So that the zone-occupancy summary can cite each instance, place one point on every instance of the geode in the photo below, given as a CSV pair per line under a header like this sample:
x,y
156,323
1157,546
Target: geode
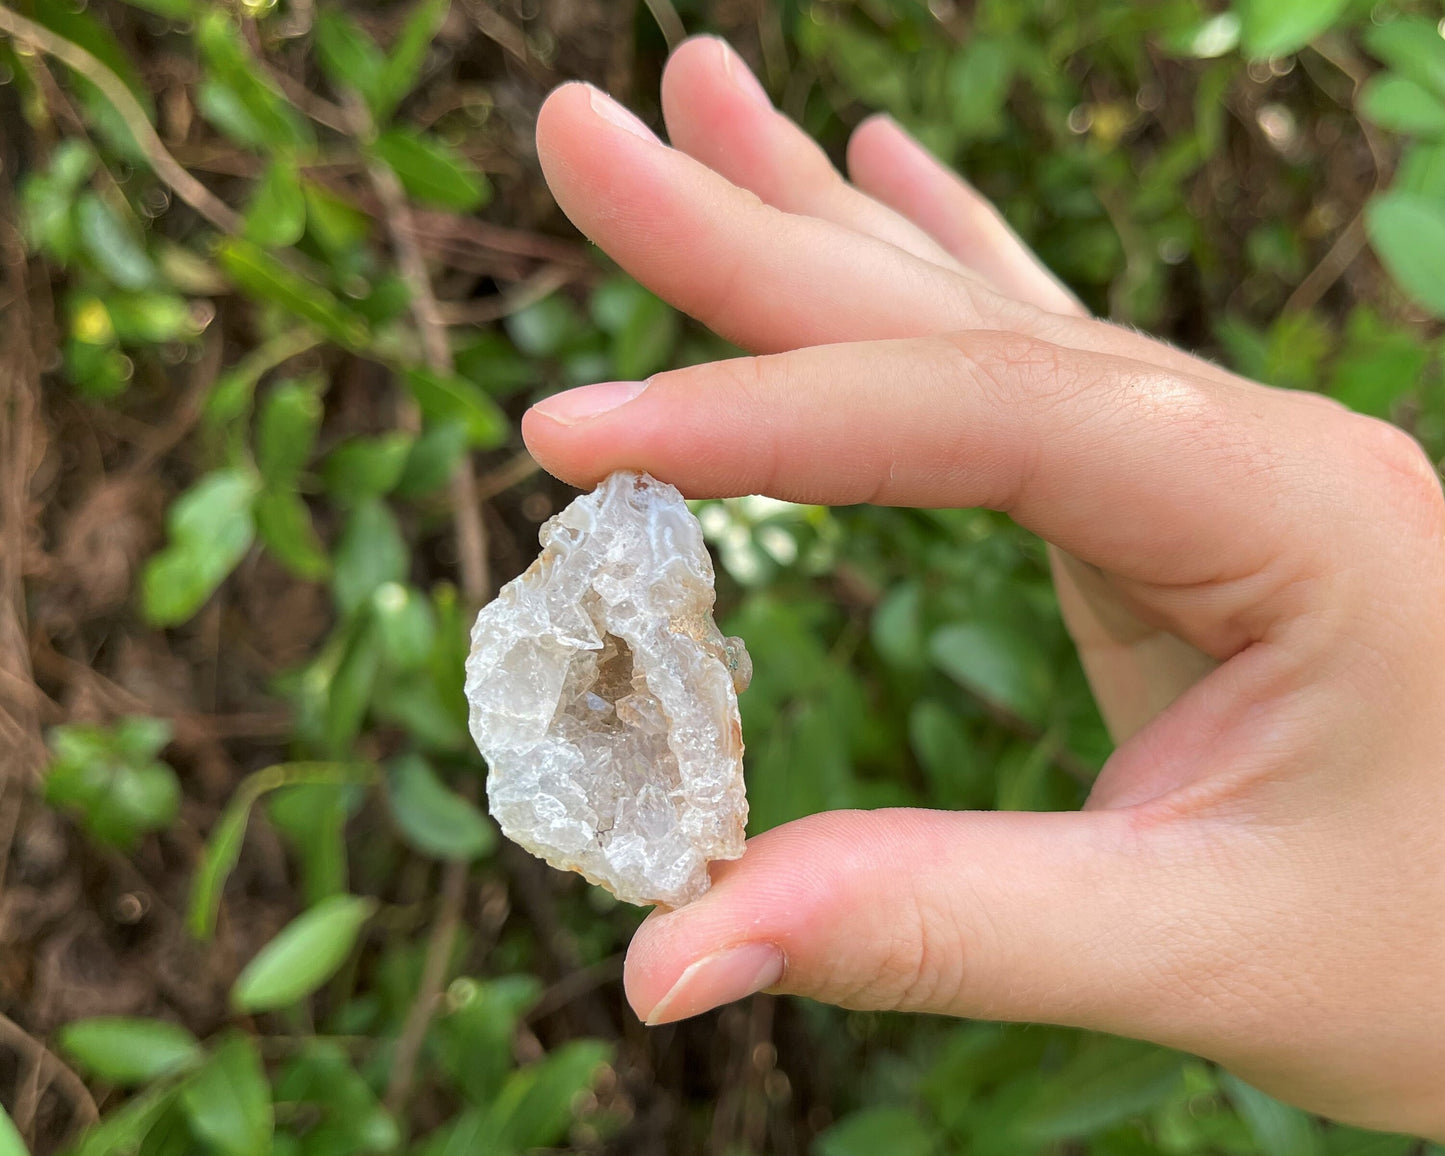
x,y
604,699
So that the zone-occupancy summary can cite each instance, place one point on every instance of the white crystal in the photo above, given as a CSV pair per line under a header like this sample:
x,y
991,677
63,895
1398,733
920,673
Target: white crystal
x,y
604,698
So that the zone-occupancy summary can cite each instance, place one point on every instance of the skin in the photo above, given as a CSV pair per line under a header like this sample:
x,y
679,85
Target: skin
x,y
1255,579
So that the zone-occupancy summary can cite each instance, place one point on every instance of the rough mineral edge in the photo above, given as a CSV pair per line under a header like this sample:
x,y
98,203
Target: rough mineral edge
x,y
604,699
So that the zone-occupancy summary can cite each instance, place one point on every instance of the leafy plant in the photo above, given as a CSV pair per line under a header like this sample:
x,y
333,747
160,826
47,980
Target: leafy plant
x,y
111,779
304,278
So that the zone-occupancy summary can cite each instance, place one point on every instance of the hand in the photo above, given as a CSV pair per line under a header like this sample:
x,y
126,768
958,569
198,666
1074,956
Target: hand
x,y
1256,580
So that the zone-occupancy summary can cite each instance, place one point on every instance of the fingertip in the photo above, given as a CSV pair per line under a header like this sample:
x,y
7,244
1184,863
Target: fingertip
x,y
553,447
693,54
561,105
684,75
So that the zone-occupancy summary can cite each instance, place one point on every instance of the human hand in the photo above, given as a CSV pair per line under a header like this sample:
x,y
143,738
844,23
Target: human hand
x,y
1255,578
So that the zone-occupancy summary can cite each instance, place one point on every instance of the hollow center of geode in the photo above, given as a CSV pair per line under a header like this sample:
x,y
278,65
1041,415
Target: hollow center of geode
x,y
607,712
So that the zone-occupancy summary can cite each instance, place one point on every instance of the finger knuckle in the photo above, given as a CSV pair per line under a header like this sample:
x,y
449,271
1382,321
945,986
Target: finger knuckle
x,y
1402,472
917,966
1015,381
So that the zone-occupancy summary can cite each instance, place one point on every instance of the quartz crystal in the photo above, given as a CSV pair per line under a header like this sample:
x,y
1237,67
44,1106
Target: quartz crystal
x,y
604,699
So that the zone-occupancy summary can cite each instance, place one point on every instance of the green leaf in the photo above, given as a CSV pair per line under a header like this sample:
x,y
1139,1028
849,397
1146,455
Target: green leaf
x,y
313,819
1400,105
140,799
1422,171
1413,48
361,468
1378,365
408,54
534,1108
432,171
433,459
897,627
223,848
489,359
545,327
177,10
349,57
979,79
942,746
148,318
349,692
1272,28
1206,38
418,706
111,779
236,96
222,853
286,430
875,1130
211,528
1279,1129
283,523
11,1142
124,1130
336,224
304,955
47,199
261,276
433,818
351,1119
645,342
111,243
228,1102
231,398
997,661
451,398
405,625
1408,232
371,551
1108,1082
129,1051
1357,1142
476,1029
277,214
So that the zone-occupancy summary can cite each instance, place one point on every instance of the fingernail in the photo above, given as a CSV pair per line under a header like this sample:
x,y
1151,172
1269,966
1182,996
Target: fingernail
x,y
717,979
612,112
743,77
588,401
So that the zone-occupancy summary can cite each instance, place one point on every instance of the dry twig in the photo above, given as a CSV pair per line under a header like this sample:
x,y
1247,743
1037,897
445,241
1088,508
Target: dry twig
x,y
433,976
52,1070
166,167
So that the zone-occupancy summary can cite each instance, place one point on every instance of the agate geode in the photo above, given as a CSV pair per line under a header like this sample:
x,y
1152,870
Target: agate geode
x,y
604,699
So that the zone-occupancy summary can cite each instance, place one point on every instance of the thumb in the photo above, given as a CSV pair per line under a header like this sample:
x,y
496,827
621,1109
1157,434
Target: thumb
x,y
1061,918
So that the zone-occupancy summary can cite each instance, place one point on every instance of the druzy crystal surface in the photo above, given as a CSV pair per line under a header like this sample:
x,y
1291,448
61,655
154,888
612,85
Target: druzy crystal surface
x,y
604,698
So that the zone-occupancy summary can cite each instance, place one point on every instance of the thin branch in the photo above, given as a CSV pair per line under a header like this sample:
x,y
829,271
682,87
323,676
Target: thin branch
x,y
505,476
507,36
669,23
543,283
1348,245
433,975
166,167
466,510
52,1068
318,108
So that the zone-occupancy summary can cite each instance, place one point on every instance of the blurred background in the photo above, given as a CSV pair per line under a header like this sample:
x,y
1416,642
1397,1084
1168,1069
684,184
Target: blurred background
x,y
279,278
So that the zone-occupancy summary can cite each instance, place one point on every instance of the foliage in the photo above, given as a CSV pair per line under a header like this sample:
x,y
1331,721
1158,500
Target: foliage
x,y
111,778
379,975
